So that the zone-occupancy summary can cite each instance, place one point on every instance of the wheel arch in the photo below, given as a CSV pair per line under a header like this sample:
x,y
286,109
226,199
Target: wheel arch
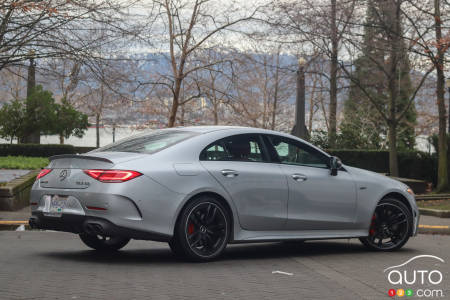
x,y
399,197
218,197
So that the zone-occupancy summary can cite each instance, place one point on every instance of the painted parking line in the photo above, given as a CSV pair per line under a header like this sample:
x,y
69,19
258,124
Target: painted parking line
x,y
13,222
434,226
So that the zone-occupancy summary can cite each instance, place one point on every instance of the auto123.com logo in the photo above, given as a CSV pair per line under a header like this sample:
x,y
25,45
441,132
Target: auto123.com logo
x,y
410,280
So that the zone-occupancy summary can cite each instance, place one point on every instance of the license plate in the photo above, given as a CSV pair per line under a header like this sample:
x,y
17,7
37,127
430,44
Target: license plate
x,y
54,205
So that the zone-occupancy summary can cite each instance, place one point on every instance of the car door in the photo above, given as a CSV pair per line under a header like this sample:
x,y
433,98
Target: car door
x,y
317,200
258,189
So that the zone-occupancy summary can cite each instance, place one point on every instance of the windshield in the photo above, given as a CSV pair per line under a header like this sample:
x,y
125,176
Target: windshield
x,y
149,142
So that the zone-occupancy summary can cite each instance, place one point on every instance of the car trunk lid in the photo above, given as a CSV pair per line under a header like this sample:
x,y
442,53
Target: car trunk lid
x,y
67,169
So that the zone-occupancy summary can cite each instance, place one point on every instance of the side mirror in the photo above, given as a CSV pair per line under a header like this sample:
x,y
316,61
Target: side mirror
x,y
335,165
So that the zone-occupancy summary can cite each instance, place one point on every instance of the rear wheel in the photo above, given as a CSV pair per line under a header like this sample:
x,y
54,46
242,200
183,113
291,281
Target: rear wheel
x,y
202,231
104,243
391,226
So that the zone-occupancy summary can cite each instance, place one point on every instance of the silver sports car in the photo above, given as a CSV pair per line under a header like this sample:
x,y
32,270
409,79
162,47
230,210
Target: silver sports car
x,y
200,188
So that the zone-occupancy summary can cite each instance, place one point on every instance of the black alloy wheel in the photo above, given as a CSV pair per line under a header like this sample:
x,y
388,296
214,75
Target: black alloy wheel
x,y
203,230
390,227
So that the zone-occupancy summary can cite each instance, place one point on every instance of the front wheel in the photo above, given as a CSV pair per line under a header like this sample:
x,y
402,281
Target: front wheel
x,y
104,243
391,226
202,231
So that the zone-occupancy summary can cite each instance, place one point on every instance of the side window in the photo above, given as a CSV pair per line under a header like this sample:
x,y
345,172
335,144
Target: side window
x,y
214,152
242,147
295,153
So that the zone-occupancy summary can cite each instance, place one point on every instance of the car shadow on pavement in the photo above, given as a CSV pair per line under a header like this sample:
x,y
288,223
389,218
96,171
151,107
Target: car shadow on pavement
x,y
233,252
299,249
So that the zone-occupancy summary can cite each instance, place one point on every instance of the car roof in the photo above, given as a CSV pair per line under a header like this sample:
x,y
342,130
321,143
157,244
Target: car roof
x,y
205,129
211,128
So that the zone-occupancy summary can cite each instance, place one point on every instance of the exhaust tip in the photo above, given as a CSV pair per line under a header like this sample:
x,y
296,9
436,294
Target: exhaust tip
x,y
93,229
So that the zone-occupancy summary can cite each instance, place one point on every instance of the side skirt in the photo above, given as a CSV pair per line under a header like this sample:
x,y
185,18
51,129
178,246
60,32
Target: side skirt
x,y
245,236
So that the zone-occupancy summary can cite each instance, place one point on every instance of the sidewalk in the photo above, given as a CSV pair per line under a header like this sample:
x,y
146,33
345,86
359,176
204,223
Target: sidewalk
x,y
428,224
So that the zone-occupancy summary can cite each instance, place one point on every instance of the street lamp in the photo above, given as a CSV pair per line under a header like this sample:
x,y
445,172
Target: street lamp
x,y
299,129
448,88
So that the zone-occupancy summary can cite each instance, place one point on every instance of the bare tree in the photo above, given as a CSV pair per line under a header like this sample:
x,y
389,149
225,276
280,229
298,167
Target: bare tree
x,y
52,28
316,25
188,27
262,84
431,40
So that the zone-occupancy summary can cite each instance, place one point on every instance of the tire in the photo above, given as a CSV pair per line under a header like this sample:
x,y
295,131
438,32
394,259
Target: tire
x,y
391,220
106,244
202,231
176,248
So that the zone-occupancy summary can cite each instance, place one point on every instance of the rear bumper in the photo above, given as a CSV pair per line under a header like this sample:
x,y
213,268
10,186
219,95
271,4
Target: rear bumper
x,y
91,225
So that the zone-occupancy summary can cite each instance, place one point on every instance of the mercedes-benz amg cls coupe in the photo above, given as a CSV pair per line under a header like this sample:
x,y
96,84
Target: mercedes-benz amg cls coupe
x,y
200,188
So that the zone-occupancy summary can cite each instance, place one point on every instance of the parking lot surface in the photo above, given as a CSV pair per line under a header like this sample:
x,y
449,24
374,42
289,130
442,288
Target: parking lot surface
x,y
53,265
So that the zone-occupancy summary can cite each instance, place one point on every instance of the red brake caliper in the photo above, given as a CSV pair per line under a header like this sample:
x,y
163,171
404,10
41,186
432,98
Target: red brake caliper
x,y
191,228
372,226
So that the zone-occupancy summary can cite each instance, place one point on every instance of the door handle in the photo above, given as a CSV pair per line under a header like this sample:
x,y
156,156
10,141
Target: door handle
x,y
299,177
229,173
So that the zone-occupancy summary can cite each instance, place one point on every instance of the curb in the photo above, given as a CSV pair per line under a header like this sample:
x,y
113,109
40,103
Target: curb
x,y
12,225
435,212
425,197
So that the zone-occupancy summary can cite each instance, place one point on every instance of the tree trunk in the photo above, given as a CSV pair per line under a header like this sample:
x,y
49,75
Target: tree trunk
x,y
333,77
33,136
442,183
61,139
182,115
395,48
393,162
97,129
215,112
175,103
275,93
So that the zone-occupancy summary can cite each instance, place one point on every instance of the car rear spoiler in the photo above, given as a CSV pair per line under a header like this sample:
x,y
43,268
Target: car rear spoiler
x,y
79,156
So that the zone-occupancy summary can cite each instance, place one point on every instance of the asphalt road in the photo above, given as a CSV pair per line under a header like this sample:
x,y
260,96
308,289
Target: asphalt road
x,y
51,265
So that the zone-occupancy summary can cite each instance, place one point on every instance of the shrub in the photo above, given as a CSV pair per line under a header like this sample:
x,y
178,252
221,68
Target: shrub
x,y
412,164
22,162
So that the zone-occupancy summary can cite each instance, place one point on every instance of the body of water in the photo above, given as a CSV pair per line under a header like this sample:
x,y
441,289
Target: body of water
x,y
89,138
106,137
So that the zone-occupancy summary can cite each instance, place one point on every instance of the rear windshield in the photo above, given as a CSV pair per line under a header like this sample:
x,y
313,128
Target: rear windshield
x,y
149,142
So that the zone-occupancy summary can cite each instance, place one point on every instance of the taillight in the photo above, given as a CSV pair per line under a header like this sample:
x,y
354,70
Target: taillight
x,y
112,175
42,173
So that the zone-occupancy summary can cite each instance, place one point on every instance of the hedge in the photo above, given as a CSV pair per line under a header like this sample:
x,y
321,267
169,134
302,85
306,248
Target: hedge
x,y
40,150
412,164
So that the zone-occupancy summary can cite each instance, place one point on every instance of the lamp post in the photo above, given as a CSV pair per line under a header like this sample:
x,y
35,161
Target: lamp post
x,y
448,88
299,129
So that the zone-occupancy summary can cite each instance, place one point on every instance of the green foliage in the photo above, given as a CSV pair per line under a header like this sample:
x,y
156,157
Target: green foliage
x,y
40,114
320,138
412,164
40,150
21,162
70,121
11,118
347,138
